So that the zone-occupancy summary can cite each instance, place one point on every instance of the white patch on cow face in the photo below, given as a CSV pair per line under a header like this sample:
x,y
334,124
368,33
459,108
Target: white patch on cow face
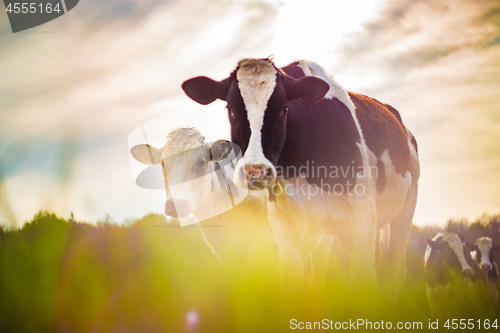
x,y
484,244
458,248
186,179
182,187
256,81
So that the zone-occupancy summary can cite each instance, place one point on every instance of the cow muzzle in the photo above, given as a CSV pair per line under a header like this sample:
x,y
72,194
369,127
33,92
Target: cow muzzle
x,y
177,208
468,272
258,176
485,267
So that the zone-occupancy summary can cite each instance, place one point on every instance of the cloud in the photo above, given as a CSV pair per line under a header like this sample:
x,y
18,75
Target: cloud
x,y
100,71
438,63
413,33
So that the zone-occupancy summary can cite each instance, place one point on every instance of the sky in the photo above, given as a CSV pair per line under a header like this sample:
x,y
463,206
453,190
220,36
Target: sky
x,y
74,92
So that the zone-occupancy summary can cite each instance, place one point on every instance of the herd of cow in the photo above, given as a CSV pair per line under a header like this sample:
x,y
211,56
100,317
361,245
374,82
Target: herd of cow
x,y
325,162
455,270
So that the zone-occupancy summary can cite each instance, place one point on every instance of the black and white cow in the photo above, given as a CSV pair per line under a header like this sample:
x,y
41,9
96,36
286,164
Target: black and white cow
x,y
332,162
446,272
484,287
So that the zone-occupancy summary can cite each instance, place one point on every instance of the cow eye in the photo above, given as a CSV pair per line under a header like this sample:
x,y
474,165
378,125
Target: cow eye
x,y
201,163
231,113
284,111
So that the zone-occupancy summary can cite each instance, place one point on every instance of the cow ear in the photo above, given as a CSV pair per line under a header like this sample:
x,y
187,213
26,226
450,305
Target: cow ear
x,y
436,245
312,88
146,154
204,90
431,243
220,149
470,247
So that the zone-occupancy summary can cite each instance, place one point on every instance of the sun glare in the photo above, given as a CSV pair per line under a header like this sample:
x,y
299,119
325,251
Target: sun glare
x,y
312,31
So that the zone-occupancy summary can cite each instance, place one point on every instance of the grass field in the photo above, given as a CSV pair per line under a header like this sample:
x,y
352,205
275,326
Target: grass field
x,y
148,276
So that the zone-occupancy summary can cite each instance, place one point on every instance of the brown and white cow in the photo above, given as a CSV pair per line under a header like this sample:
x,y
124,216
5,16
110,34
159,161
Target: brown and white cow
x,y
484,287
332,161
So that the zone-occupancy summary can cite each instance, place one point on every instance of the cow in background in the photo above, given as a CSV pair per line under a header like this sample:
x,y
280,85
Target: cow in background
x,y
299,118
484,286
198,177
447,272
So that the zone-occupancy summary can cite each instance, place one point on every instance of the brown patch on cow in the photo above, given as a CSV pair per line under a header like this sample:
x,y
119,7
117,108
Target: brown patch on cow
x,y
383,129
393,111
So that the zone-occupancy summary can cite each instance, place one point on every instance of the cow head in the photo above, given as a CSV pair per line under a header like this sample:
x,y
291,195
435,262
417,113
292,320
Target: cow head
x,y
484,250
452,249
257,96
186,161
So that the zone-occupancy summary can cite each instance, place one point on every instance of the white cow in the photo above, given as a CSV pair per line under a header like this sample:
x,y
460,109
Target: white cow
x,y
195,181
197,177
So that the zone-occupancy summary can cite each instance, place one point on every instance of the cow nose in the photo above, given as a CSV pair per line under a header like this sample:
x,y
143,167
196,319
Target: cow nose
x,y
259,176
177,208
485,267
468,272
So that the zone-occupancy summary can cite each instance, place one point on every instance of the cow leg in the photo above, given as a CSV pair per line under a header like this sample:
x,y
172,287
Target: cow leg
x,y
378,242
320,258
493,293
392,264
435,298
364,230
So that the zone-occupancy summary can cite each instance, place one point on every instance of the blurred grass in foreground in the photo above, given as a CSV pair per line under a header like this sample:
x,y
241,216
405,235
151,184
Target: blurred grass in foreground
x,y
148,276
